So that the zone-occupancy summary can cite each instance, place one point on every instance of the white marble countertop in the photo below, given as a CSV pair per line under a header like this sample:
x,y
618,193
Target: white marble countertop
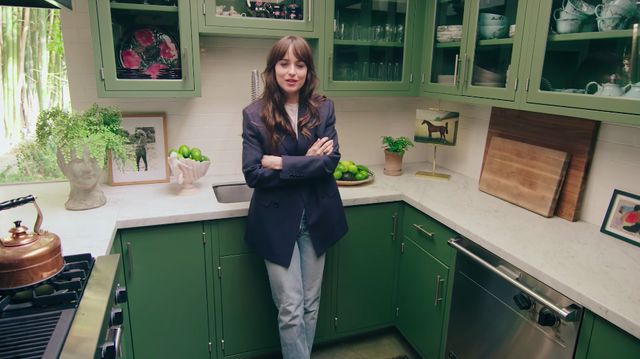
x,y
593,269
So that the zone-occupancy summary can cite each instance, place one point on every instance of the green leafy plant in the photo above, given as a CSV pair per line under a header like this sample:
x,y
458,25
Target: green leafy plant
x,y
397,145
98,128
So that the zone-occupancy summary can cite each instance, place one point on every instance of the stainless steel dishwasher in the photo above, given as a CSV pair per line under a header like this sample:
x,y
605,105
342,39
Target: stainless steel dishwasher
x,y
499,311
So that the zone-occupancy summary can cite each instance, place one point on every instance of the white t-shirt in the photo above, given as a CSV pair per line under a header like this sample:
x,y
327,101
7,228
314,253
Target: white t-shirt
x,y
292,111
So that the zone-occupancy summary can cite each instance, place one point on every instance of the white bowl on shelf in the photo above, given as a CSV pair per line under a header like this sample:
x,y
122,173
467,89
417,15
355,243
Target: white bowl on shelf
x,y
185,172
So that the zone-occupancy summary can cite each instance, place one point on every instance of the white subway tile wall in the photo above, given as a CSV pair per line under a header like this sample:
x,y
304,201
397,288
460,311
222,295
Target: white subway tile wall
x,y
213,121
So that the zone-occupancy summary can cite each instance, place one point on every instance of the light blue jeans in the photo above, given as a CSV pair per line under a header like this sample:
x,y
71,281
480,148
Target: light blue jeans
x,y
296,294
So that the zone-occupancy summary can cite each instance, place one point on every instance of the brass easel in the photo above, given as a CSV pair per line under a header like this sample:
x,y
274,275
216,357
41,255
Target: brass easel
x,y
433,174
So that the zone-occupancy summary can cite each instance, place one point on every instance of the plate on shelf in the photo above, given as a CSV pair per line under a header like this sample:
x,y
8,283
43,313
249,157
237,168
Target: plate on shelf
x,y
149,52
356,183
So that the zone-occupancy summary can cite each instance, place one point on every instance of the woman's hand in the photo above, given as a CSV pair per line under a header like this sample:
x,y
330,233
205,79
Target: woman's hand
x,y
272,162
322,146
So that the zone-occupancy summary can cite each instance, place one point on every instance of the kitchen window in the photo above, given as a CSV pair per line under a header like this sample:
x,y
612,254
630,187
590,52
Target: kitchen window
x,y
33,77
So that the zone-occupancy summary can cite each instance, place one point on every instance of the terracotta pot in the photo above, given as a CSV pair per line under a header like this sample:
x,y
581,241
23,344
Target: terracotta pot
x,y
392,163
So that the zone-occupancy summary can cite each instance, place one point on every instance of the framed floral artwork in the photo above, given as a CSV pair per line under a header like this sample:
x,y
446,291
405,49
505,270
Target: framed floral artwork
x,y
147,148
623,217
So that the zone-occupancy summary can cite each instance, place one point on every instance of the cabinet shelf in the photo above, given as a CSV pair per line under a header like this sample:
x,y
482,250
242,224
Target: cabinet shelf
x,y
367,43
586,36
496,42
143,7
442,45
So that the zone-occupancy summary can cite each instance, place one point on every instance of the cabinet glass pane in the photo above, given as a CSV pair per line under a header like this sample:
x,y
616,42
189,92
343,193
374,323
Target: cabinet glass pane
x,y
492,58
292,10
446,54
592,49
369,39
146,40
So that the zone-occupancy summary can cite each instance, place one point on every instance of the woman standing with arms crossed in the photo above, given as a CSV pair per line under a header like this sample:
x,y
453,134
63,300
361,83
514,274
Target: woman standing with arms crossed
x,y
289,151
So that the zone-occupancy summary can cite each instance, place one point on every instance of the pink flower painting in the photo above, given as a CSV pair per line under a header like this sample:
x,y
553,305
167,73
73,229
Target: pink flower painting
x,y
144,37
168,49
130,59
154,70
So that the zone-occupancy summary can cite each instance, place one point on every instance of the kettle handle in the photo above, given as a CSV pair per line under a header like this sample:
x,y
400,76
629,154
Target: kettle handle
x,y
19,202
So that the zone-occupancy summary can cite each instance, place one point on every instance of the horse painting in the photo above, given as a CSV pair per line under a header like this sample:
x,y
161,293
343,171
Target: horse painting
x,y
442,130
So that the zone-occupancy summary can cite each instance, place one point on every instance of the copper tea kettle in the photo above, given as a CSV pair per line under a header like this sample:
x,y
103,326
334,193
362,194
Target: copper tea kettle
x,y
28,258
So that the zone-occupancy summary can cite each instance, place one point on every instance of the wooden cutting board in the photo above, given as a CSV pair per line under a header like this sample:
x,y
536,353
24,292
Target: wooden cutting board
x,y
576,136
526,175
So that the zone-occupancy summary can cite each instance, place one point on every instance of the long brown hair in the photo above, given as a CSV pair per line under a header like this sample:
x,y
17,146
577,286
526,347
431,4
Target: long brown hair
x,y
274,115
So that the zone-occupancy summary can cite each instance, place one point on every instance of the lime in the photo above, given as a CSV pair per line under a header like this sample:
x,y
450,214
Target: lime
x,y
360,176
363,174
363,168
353,169
344,163
171,150
196,154
337,174
341,168
184,151
205,158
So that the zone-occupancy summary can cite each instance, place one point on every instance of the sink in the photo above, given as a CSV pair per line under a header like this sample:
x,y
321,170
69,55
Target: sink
x,y
233,193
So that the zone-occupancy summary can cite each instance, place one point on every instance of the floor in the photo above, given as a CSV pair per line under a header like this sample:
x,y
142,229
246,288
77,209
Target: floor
x,y
381,345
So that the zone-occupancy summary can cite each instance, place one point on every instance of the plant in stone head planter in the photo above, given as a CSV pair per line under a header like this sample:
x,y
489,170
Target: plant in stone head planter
x,y
394,149
83,142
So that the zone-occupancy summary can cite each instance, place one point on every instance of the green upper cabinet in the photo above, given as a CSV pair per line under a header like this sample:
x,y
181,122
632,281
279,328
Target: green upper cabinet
x,y
583,61
144,50
473,47
368,46
261,18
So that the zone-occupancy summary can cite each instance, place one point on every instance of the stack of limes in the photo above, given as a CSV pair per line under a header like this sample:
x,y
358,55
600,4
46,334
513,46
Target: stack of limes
x,y
193,153
350,171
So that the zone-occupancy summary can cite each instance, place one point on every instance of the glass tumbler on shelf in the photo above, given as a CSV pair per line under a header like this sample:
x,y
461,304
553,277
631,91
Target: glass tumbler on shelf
x,y
382,72
364,71
389,33
399,33
397,73
373,71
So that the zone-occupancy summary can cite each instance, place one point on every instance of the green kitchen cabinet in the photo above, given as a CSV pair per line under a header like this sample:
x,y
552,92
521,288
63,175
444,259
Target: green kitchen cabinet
x,y
469,50
600,339
126,347
366,269
591,67
166,282
144,50
263,19
369,47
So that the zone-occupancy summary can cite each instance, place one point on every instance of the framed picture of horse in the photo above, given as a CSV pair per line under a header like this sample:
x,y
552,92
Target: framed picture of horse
x,y
439,127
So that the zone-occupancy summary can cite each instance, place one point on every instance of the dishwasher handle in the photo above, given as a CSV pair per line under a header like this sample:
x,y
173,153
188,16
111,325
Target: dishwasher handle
x,y
568,314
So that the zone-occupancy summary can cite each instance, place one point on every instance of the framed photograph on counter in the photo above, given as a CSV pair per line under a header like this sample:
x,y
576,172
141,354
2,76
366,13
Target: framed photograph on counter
x,y
147,149
623,217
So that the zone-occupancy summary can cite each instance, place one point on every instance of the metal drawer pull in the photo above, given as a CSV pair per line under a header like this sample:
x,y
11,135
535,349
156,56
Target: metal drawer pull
x,y
438,297
568,314
419,227
130,258
118,341
455,70
394,222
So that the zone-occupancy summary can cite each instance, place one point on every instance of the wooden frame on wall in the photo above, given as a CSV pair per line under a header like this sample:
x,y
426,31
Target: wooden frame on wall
x,y
623,217
147,149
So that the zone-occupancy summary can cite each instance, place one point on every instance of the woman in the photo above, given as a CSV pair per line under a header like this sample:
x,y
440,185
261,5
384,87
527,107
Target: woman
x,y
289,151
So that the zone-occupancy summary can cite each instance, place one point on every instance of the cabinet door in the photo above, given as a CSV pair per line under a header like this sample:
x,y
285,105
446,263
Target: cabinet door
x,y
167,296
366,269
590,63
368,43
246,17
126,347
146,50
422,299
609,341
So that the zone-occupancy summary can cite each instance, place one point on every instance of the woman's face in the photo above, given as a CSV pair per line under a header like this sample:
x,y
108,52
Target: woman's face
x,y
291,74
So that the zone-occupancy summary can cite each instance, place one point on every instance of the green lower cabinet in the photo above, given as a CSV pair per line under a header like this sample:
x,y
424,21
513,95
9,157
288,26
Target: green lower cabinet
x,y
366,269
600,339
126,347
166,282
422,287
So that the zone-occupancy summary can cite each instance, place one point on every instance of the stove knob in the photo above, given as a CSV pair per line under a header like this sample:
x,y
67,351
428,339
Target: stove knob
x,y
547,318
116,318
121,295
108,350
523,301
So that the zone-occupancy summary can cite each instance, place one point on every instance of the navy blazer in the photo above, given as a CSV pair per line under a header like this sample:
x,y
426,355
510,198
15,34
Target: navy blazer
x,y
304,183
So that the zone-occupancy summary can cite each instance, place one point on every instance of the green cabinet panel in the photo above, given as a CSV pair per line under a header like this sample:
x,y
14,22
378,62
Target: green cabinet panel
x,y
143,50
230,237
164,270
126,346
366,268
428,234
263,19
601,339
422,287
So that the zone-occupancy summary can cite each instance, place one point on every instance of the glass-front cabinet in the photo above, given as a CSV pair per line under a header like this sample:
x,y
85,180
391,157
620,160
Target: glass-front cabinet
x,y
146,48
246,16
368,45
473,47
586,55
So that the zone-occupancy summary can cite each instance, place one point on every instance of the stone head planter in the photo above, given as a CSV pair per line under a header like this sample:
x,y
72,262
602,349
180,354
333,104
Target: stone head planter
x,y
83,173
392,163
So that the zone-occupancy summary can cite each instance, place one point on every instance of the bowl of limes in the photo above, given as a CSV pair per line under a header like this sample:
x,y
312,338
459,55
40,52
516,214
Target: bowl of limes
x,y
348,173
187,166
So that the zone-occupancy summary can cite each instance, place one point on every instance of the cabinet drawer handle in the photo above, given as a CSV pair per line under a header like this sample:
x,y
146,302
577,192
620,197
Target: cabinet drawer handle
x,y
394,219
419,227
310,10
185,64
130,258
439,282
455,70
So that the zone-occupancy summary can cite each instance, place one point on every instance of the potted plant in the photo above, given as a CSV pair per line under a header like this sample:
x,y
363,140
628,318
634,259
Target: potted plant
x,y
83,142
394,149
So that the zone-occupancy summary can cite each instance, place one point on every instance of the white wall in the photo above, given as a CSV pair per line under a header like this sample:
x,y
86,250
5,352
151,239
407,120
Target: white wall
x,y
213,121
